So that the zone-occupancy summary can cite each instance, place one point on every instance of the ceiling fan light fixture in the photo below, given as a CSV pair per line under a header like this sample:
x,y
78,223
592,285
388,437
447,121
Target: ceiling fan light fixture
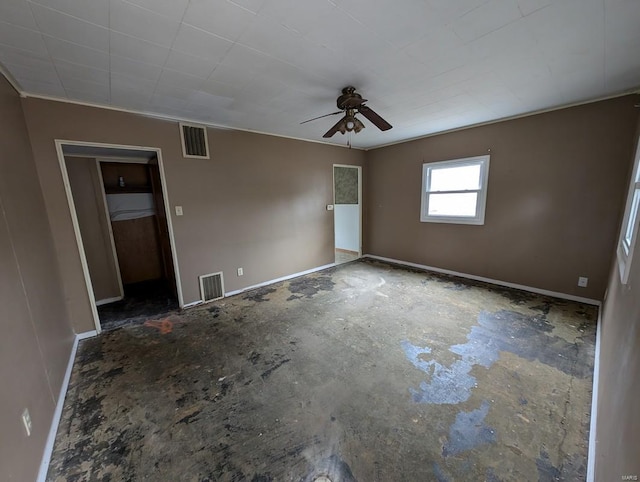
x,y
358,125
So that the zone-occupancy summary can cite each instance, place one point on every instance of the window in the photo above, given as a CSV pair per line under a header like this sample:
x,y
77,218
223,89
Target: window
x,y
629,233
455,191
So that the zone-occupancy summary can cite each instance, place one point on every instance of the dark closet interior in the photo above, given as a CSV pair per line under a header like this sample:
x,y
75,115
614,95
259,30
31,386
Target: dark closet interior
x,y
141,237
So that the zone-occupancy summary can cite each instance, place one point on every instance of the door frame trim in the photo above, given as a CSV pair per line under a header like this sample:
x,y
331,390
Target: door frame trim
x,y
59,143
360,202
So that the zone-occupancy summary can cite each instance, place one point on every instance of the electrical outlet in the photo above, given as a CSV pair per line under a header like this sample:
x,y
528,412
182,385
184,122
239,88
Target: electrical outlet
x,y
178,210
240,271
26,420
583,281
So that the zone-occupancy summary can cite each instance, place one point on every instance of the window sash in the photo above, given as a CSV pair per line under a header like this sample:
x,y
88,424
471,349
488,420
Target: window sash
x,y
442,194
480,203
630,224
632,221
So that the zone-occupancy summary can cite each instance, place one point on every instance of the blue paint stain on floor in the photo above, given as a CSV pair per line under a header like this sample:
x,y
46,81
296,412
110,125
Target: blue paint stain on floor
x,y
525,336
469,431
439,474
448,384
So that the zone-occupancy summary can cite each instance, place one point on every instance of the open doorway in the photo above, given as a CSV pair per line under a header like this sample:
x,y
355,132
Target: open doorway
x,y
347,215
118,204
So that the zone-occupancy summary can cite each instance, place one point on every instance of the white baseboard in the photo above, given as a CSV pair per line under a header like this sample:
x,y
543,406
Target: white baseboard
x,y
106,301
593,441
53,430
266,283
277,280
86,334
506,284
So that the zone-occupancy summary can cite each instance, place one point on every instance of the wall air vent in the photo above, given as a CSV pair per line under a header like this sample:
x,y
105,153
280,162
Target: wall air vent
x,y
211,287
194,141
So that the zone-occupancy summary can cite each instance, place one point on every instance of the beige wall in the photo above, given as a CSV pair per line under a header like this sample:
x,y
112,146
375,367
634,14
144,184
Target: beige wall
x,y
618,422
556,184
36,335
90,208
258,203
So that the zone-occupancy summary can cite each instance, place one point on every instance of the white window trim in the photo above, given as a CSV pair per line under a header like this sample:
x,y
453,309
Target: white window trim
x,y
625,252
478,219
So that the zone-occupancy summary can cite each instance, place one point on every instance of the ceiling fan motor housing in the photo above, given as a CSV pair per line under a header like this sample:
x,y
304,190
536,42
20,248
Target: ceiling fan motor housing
x,y
349,99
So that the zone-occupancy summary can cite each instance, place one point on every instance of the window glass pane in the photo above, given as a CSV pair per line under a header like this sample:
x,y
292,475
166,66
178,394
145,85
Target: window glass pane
x,y
455,178
633,217
459,204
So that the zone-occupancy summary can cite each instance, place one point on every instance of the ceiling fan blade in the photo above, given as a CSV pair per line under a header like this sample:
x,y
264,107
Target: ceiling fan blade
x,y
320,117
334,129
375,119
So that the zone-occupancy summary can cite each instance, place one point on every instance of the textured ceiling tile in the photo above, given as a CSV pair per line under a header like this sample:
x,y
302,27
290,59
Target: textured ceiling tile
x,y
92,96
141,23
432,44
299,16
620,74
221,89
71,84
334,67
412,18
132,68
448,11
529,6
169,8
485,19
122,82
197,42
17,12
171,78
77,54
15,56
251,5
245,59
621,24
21,38
43,88
35,74
65,27
68,70
231,75
262,90
126,89
564,25
219,17
94,11
137,49
190,65
266,35
203,102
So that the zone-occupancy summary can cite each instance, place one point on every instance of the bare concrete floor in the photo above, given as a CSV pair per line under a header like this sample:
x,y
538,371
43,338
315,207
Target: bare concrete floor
x,y
363,372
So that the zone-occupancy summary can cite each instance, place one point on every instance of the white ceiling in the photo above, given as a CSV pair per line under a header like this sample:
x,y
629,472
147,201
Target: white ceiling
x,y
425,65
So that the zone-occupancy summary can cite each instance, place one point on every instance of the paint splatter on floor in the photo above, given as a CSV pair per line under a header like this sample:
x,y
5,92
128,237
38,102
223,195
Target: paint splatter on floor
x,y
320,375
163,326
469,431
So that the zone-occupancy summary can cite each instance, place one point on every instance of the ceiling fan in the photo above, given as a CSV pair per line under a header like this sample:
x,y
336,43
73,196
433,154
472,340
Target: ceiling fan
x,y
351,103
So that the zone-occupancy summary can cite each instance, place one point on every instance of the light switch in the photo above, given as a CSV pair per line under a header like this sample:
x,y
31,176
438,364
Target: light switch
x,y
329,207
178,210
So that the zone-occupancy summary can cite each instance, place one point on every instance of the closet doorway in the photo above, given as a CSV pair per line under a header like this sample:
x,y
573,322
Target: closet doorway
x,y
141,240
118,200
